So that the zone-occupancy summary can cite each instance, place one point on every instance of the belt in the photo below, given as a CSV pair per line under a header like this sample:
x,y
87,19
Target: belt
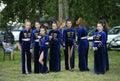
x,y
84,37
97,41
26,39
37,40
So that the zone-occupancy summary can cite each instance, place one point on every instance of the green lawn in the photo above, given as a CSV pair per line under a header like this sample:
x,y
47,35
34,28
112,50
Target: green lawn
x,y
11,70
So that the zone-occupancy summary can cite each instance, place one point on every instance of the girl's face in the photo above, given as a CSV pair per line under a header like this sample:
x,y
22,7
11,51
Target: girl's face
x,y
99,27
54,26
27,25
37,25
63,24
42,31
69,24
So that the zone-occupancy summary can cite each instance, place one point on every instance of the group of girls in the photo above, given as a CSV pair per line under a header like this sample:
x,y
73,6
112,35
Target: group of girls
x,y
40,40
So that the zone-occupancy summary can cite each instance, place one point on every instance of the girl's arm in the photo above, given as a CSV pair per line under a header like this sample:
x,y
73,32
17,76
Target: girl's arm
x,y
79,33
46,40
74,37
103,40
64,38
32,40
93,45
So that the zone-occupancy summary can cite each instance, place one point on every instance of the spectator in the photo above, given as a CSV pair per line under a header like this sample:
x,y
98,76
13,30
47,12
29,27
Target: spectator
x,y
11,48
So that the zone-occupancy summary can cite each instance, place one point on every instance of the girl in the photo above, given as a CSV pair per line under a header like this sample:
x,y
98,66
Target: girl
x,y
106,59
83,45
43,43
69,40
99,41
105,29
55,37
35,41
24,39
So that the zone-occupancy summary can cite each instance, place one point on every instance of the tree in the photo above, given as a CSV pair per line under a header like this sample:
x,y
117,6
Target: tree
x,y
90,10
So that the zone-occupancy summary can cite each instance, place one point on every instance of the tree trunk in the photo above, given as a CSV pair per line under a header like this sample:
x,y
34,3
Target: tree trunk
x,y
60,8
66,9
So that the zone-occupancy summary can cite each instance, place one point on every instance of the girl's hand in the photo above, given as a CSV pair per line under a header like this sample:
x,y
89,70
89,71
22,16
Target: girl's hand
x,y
47,43
39,37
95,48
50,37
30,50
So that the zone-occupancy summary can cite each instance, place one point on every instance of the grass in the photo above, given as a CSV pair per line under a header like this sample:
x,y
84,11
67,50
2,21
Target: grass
x,y
11,70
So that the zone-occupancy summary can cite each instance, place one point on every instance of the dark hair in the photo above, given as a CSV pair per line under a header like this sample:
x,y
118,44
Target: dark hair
x,y
68,20
37,21
55,22
43,27
101,22
27,20
105,25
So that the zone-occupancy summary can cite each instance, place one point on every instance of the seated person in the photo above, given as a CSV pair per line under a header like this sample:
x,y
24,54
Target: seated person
x,y
8,36
9,48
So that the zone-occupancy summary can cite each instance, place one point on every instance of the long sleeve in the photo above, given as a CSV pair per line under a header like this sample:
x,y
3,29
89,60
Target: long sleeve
x,y
79,34
20,37
103,40
59,36
93,40
64,35
74,37
31,40
46,39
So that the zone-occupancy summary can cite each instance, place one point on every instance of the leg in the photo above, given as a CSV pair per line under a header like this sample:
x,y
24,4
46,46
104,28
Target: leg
x,y
12,54
86,56
26,68
23,60
17,45
36,58
41,58
45,68
66,57
29,62
71,50
69,56
72,57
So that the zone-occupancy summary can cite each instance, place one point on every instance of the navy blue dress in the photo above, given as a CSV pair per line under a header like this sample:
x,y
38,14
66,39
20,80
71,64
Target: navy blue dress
x,y
24,34
83,47
106,59
44,48
69,40
99,41
35,35
55,50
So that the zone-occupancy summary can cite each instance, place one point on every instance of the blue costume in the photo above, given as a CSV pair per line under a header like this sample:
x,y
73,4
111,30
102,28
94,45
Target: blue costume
x,y
35,35
55,50
44,48
99,41
25,40
83,47
106,60
69,40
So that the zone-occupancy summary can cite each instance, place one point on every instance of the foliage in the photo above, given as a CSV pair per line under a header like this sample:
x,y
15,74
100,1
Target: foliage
x,y
90,10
